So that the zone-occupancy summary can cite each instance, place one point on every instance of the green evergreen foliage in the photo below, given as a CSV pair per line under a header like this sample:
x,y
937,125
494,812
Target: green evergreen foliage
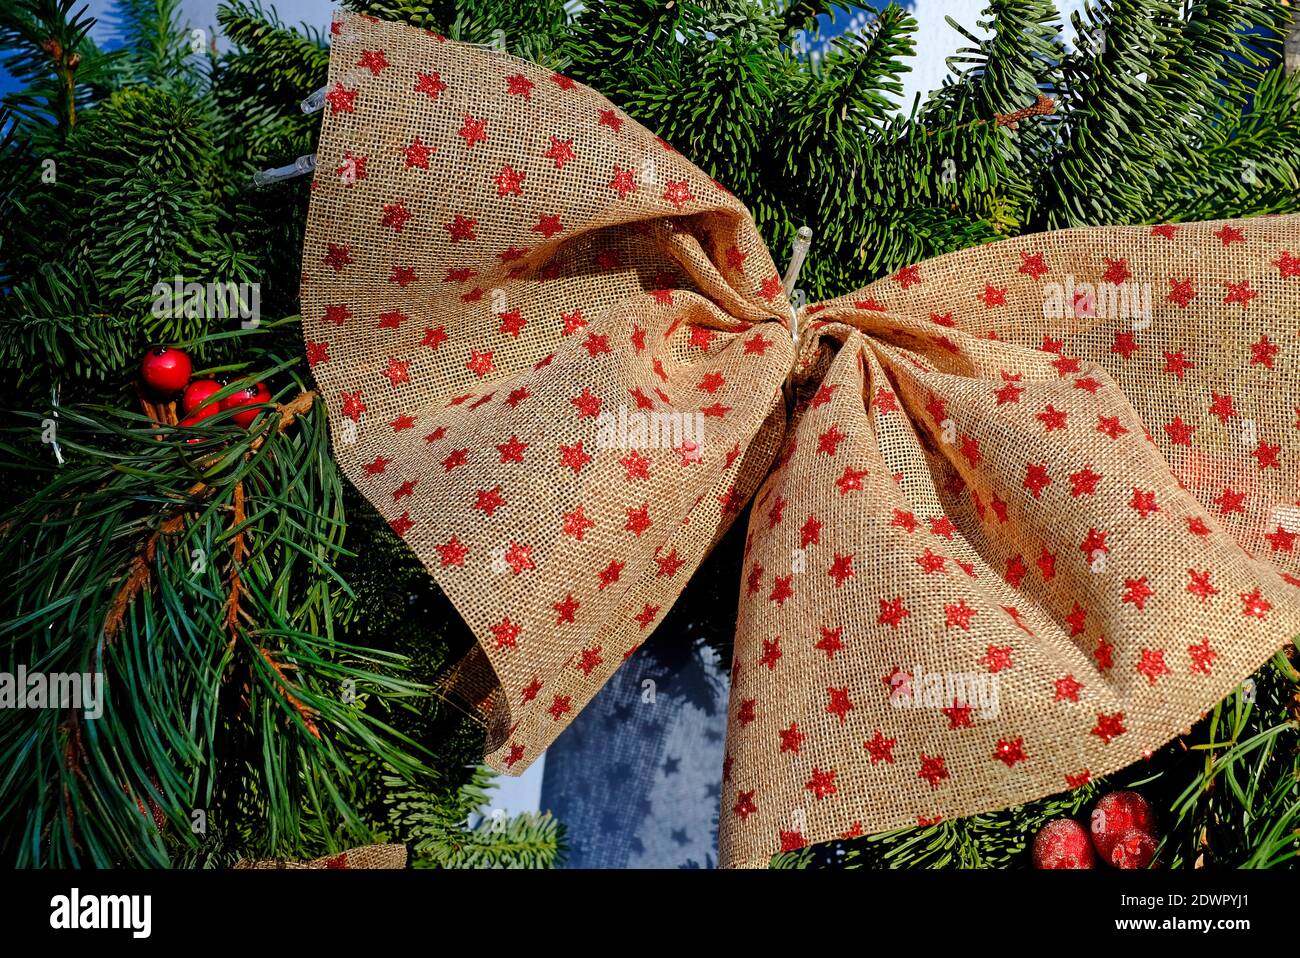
x,y
122,170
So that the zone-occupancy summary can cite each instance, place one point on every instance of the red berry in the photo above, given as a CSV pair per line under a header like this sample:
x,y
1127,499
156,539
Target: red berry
x,y
257,393
197,394
193,421
1116,814
1133,849
165,370
1063,844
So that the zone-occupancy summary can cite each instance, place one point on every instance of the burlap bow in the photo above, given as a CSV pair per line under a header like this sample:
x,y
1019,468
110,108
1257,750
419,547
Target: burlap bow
x,y
363,857
1035,509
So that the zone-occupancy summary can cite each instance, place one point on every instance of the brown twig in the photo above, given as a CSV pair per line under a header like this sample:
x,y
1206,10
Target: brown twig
x,y
65,65
140,573
1043,106
74,754
238,550
306,713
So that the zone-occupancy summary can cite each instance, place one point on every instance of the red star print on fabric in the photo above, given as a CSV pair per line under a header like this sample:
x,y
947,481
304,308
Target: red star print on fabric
x,y
1266,455
1036,479
959,715
1181,292
996,658
1117,270
1137,591
791,738
1084,482
1179,432
519,85
1068,689
566,610
1176,364
548,225
430,84
831,641
1230,235
453,552
317,353
933,769
908,276
488,501
1263,351
1010,752
1283,540
418,153
678,193
850,480
1109,727
1032,264
1110,426
958,614
1240,293
610,574
507,633
1152,665
828,442
1144,502
942,526
1202,656
822,783
473,130
1200,586
623,182
1230,501
1009,393
792,841
373,60
338,257
1254,605
880,748
839,704
892,612
341,99
1222,408
395,215
1052,418
509,181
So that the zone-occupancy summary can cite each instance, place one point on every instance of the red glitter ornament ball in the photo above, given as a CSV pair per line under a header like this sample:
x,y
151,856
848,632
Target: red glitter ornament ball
x,y
165,370
1063,844
1117,814
1133,849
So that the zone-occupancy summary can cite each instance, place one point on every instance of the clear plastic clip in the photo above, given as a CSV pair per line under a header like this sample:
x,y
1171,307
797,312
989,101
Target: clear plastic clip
x,y
798,253
299,167
316,102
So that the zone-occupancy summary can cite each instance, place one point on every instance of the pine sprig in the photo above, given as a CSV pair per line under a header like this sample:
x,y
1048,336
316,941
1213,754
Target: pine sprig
x,y
197,579
442,836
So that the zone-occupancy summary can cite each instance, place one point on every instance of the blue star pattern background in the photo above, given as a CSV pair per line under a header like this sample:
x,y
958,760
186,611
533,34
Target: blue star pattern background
x,y
637,777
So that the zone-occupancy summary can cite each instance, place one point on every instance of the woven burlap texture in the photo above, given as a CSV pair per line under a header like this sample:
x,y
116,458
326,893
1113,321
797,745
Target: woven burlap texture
x,y
362,857
1033,513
